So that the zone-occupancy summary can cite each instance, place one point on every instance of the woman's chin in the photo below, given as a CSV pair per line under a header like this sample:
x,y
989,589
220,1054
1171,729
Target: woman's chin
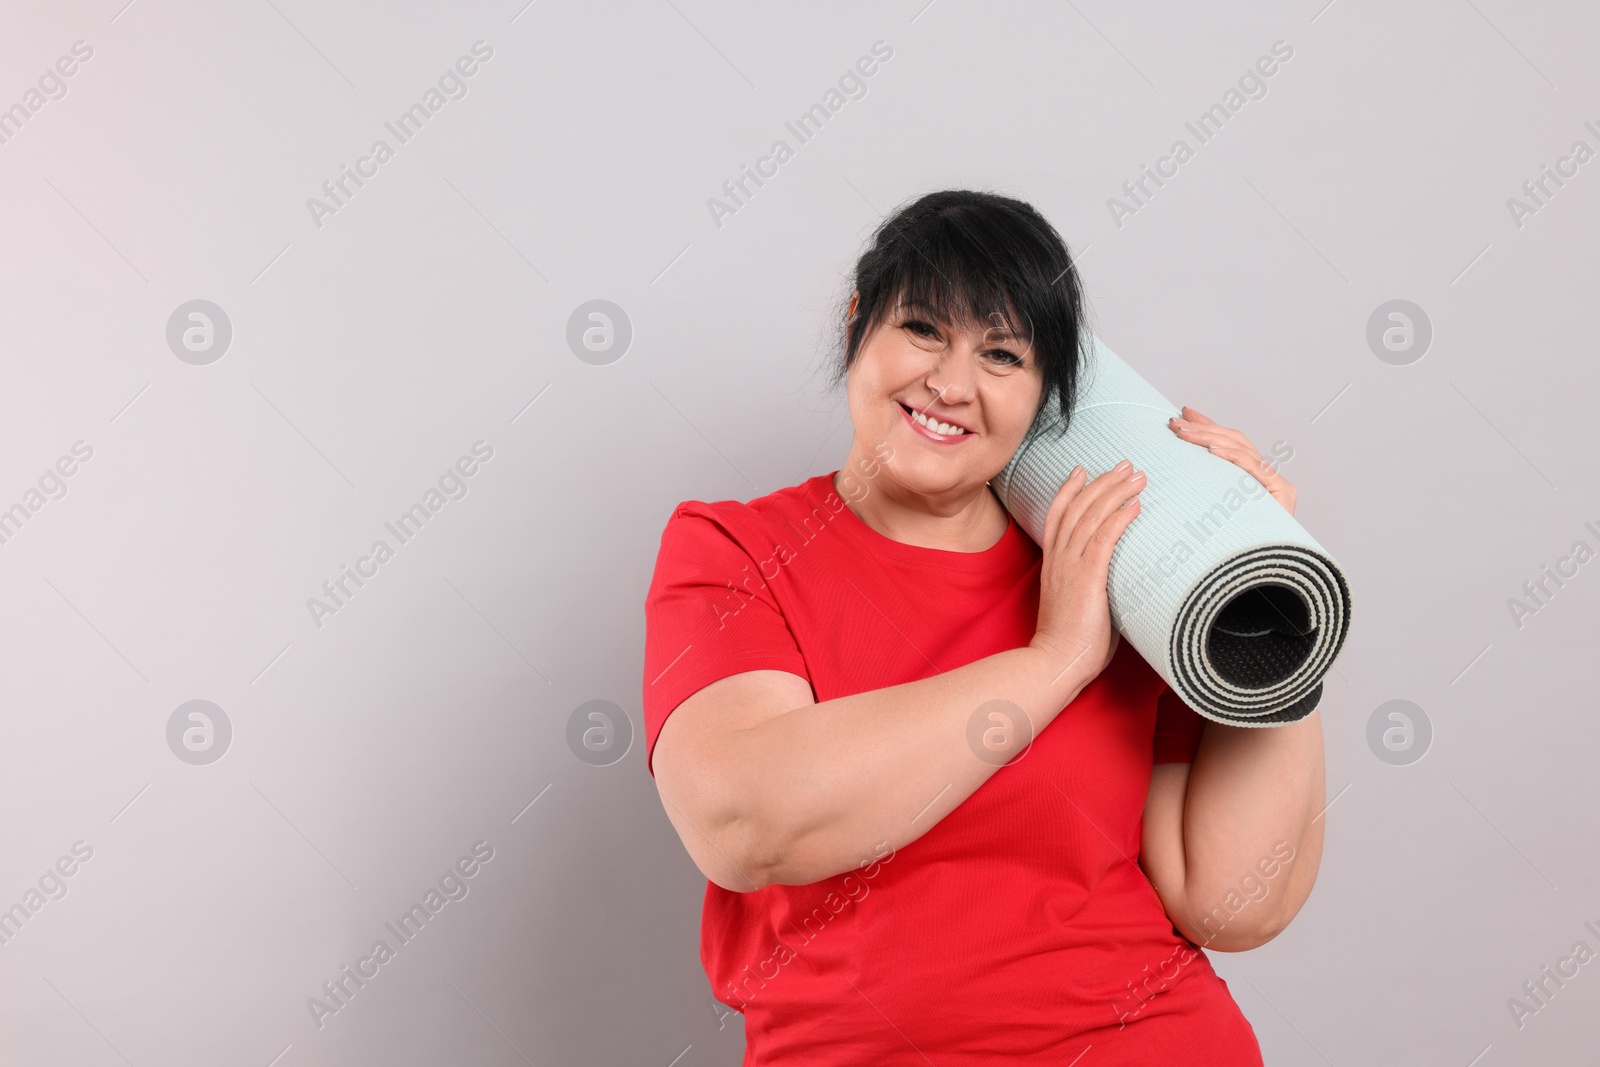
x,y
933,477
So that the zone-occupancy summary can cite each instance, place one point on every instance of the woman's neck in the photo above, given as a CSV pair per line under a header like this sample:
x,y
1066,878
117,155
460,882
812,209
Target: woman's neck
x,y
972,523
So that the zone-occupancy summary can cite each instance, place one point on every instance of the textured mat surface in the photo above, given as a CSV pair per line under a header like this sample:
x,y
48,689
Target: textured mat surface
x,y
1217,586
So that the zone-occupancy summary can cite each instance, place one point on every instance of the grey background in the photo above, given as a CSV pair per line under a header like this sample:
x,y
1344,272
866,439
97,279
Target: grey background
x,y
429,712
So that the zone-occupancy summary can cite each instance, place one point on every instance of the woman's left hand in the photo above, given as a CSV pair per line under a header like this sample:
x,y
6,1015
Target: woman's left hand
x,y
1235,447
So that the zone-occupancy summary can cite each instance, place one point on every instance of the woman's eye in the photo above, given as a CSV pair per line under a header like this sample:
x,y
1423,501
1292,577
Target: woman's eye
x,y
919,327
1009,359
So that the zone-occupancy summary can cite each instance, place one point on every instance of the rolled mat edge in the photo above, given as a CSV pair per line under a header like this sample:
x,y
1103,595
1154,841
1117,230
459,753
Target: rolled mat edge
x,y
1227,597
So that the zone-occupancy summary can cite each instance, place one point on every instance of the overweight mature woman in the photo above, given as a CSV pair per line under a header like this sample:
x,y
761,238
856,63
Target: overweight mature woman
x,y
946,815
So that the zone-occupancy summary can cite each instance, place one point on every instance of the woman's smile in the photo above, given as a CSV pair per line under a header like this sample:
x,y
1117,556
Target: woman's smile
x,y
939,430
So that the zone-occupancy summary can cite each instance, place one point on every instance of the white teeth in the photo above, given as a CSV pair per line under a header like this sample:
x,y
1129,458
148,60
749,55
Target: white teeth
x,y
940,428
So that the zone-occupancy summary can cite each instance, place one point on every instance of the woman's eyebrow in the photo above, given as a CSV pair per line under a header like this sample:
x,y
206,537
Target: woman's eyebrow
x,y
1002,333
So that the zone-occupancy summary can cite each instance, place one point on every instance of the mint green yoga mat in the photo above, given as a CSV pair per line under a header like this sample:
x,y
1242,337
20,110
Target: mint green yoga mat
x,y
1223,593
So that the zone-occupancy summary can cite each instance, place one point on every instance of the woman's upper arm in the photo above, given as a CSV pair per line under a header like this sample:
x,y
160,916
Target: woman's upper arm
x,y
707,795
1161,847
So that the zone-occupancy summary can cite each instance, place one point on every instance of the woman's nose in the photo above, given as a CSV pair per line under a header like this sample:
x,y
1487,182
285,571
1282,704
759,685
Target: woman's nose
x,y
953,376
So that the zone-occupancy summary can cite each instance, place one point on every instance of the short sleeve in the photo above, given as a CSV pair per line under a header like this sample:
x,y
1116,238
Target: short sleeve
x,y
708,615
1178,728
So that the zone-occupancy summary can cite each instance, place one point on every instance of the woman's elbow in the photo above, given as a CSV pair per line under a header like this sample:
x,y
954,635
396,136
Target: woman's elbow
x,y
1245,932
1243,940
748,862
718,836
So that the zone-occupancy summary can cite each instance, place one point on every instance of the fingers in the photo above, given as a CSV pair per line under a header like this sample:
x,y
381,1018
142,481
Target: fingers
x,y
1099,528
1079,509
1064,497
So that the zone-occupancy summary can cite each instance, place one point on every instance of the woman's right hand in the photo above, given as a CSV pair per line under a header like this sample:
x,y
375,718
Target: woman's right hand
x,y
1080,530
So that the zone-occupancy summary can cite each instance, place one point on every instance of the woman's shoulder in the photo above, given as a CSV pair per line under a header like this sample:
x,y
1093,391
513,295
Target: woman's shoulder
x,y
743,517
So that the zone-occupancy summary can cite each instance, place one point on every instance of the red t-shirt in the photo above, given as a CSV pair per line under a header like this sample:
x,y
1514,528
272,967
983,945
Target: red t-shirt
x,y
1020,925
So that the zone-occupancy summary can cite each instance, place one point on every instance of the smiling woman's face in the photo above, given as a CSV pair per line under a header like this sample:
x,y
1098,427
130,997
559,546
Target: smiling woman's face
x,y
978,377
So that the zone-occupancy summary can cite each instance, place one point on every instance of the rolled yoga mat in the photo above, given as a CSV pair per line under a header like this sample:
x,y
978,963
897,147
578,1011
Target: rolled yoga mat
x,y
1223,593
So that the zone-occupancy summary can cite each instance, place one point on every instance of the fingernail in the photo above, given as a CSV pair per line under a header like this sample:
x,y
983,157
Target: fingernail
x,y
1124,465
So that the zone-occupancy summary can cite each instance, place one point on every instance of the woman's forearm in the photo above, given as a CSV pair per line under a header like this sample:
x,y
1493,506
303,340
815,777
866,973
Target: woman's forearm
x,y
828,786
1251,833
